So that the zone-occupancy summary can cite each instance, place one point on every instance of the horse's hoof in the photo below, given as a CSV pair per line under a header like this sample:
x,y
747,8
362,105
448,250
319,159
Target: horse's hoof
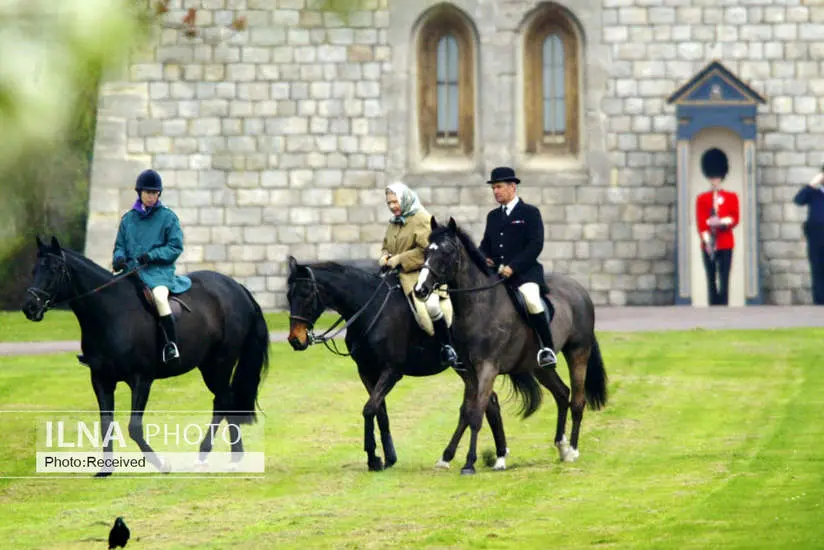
x,y
570,455
165,466
233,467
563,447
375,465
201,465
442,465
390,462
468,471
500,464
103,473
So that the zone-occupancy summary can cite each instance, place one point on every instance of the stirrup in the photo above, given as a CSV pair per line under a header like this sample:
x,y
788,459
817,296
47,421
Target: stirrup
x,y
546,358
449,357
170,352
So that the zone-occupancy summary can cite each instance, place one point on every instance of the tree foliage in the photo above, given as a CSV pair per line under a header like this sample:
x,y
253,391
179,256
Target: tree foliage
x,y
53,55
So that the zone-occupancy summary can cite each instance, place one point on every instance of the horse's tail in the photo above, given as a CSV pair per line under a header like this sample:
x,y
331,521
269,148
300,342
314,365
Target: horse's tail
x,y
251,367
595,385
526,387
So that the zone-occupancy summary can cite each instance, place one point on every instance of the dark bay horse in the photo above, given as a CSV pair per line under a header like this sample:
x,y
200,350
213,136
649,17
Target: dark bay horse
x,y
383,339
121,341
495,339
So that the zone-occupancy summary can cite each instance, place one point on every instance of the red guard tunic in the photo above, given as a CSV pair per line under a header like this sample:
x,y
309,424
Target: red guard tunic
x,y
726,208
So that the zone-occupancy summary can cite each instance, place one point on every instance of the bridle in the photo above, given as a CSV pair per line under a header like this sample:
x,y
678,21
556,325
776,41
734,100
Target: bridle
x,y
64,277
326,337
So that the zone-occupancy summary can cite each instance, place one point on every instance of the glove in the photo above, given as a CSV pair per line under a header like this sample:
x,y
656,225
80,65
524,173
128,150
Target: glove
x,y
119,263
143,259
383,260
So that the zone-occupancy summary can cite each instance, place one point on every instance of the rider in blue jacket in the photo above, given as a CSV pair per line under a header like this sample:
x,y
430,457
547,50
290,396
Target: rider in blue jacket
x,y
150,236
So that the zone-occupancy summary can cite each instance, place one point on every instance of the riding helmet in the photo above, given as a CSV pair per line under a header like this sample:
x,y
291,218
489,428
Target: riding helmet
x,y
149,180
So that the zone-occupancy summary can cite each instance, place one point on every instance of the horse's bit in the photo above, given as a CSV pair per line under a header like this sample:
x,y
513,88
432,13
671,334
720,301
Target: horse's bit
x,y
325,338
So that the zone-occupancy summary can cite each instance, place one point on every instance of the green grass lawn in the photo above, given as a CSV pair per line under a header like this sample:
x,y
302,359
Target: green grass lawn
x,y
709,440
62,325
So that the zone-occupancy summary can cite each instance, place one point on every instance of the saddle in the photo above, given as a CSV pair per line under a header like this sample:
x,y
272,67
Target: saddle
x,y
520,305
175,303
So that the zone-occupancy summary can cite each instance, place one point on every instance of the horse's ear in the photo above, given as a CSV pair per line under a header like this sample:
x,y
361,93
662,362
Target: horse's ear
x,y
40,244
452,225
55,244
293,263
433,223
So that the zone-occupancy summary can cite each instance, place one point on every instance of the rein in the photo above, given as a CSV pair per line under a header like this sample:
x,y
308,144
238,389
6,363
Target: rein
x,y
477,288
40,294
440,277
325,338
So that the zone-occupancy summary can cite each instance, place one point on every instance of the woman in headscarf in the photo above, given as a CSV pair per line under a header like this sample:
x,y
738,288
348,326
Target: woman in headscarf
x,y
406,238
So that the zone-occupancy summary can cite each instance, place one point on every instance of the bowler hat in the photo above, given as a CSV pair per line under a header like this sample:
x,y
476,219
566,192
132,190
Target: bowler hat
x,y
503,173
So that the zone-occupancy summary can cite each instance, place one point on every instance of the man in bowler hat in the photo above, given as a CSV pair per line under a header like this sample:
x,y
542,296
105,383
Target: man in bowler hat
x,y
716,213
512,241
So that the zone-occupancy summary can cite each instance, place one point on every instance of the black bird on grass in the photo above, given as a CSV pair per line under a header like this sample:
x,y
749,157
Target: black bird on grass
x,y
119,535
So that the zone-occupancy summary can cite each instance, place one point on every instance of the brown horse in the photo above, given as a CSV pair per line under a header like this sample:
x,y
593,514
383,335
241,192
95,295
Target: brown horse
x,y
383,339
224,335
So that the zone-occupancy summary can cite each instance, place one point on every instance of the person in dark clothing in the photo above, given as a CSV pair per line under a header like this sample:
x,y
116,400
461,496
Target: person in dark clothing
x,y
513,239
812,196
150,236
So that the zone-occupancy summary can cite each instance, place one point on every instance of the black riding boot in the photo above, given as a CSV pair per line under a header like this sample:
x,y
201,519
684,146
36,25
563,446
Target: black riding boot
x,y
444,336
546,355
170,351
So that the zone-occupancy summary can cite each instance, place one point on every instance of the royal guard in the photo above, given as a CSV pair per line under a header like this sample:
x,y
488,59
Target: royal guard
x,y
716,213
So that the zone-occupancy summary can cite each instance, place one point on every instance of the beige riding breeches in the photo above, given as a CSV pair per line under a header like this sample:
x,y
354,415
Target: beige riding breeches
x,y
437,306
432,305
161,296
532,296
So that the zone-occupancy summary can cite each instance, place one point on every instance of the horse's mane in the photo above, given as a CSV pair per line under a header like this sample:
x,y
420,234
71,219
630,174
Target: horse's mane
x,y
477,257
343,269
87,263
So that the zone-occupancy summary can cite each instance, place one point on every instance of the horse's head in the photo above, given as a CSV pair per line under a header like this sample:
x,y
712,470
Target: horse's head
x,y
51,280
305,304
442,258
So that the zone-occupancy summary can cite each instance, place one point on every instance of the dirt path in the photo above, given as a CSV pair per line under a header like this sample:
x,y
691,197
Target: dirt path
x,y
609,319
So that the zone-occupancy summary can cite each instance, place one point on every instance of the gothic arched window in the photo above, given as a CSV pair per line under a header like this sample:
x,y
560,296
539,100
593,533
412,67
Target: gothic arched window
x,y
446,92
551,84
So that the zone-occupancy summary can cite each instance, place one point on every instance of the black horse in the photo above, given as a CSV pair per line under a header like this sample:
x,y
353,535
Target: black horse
x,y
382,337
120,339
496,339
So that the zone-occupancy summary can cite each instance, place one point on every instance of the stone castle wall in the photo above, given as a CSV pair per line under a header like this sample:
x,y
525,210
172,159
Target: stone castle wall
x,y
280,139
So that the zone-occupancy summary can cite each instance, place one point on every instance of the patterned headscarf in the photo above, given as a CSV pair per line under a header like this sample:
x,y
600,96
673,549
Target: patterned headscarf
x,y
410,204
